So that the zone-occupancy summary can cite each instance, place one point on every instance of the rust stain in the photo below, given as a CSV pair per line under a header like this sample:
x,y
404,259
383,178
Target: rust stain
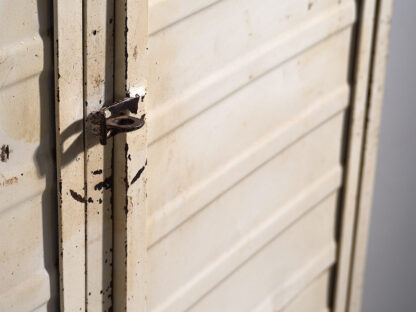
x,y
77,196
135,53
5,153
9,181
98,81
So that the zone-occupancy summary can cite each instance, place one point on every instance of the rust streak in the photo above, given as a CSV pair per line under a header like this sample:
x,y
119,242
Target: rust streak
x,y
9,181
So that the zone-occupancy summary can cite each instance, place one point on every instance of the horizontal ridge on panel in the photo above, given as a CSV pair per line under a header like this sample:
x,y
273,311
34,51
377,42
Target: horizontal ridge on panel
x,y
286,292
196,197
163,13
247,68
253,241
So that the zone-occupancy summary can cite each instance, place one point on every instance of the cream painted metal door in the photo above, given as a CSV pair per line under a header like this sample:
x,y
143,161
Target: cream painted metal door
x,y
247,189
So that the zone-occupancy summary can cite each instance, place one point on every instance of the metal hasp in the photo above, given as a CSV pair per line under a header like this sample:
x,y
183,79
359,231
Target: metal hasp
x,y
112,118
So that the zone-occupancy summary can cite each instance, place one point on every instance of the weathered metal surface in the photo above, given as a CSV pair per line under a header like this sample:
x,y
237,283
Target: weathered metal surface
x,y
130,159
69,114
28,235
98,31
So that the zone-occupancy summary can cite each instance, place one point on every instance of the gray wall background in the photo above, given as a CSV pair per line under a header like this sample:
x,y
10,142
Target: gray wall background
x,y
390,279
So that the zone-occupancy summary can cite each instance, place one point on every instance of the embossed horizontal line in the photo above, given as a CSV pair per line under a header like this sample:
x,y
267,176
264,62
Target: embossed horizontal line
x,y
253,64
164,13
258,237
195,198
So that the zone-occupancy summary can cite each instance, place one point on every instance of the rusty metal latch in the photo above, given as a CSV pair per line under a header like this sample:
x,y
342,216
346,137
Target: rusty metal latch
x,y
112,119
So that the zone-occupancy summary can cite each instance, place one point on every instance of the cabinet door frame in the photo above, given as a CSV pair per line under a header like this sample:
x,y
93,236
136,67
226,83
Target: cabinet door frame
x,y
368,82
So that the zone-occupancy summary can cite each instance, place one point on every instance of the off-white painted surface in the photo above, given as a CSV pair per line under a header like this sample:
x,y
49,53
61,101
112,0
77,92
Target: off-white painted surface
x,y
28,212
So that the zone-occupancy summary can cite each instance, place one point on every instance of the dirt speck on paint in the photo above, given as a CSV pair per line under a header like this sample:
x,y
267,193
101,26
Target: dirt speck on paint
x,y
5,153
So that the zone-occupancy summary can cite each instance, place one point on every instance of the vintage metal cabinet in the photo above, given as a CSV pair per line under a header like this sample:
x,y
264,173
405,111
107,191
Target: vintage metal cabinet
x,y
248,186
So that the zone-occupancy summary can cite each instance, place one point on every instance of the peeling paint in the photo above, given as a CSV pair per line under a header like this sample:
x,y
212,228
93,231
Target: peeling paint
x,y
138,174
99,171
5,153
106,184
77,196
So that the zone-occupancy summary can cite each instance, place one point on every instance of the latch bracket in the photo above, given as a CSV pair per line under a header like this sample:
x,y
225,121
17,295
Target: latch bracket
x,y
113,119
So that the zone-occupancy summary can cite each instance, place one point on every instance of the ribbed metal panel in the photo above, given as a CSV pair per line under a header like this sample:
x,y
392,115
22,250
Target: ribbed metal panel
x,y
28,232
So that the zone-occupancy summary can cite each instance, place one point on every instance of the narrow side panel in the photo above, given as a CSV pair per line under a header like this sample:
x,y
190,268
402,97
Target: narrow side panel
x,y
130,159
70,152
98,91
360,83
